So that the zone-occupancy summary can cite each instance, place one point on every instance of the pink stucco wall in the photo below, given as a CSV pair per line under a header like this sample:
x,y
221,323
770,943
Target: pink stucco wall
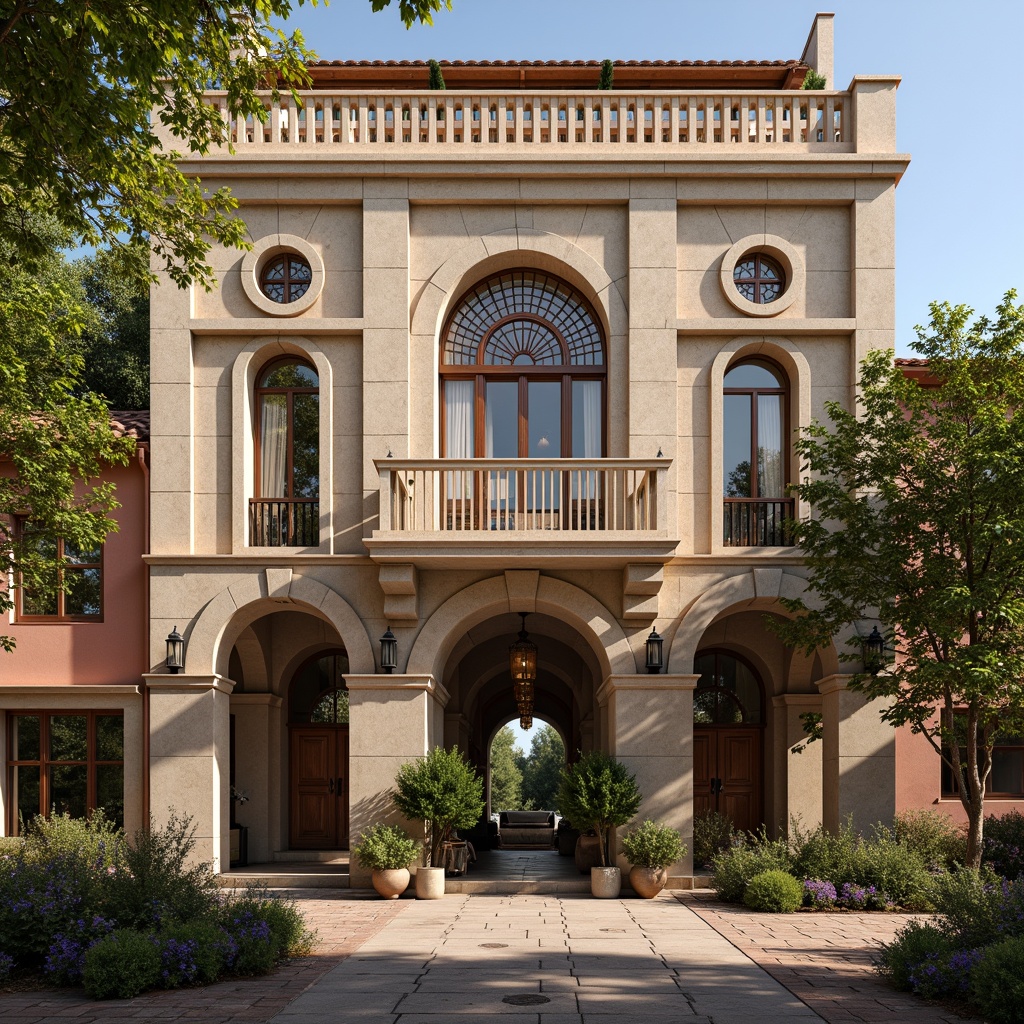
x,y
111,651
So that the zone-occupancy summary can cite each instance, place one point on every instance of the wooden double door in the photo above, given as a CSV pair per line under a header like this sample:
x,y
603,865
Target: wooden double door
x,y
727,773
318,787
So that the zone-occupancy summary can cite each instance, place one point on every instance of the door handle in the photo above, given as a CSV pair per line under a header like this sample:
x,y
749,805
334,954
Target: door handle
x,y
718,785
330,786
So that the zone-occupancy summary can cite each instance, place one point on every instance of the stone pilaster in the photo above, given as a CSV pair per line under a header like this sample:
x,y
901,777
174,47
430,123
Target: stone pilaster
x,y
798,776
259,772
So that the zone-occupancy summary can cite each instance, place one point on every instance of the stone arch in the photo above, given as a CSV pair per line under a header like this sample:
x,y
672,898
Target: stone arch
x,y
798,371
253,661
489,597
759,588
253,357
224,618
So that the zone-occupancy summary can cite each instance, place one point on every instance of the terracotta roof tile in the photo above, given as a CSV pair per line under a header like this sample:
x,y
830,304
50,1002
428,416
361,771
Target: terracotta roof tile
x,y
555,63
130,423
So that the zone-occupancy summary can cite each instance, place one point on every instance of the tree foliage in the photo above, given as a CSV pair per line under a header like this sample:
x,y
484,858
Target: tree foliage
x,y
542,769
918,519
506,777
412,11
607,75
443,790
599,793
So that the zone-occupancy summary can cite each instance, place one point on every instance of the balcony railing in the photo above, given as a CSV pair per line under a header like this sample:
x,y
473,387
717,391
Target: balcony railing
x,y
538,496
284,522
326,120
757,522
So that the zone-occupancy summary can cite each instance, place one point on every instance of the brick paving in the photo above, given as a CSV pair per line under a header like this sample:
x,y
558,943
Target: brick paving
x,y
824,959
343,921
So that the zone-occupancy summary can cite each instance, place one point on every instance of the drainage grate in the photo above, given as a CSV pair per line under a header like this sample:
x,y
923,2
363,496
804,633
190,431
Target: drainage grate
x,y
526,1000
494,945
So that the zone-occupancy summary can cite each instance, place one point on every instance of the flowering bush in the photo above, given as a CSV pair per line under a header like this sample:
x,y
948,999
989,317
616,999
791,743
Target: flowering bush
x,y
65,959
819,895
1003,844
857,897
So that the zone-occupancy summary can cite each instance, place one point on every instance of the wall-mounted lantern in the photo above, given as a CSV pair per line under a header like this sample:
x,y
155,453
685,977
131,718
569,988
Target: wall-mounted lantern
x,y
654,652
175,660
388,651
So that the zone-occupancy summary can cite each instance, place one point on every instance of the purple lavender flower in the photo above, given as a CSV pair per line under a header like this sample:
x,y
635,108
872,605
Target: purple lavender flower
x,y
819,894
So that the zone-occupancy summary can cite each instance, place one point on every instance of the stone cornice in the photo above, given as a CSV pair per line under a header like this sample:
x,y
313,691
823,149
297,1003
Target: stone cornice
x,y
167,682
644,683
382,681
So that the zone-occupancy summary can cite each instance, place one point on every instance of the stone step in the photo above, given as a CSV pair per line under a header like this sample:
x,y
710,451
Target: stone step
x,y
310,875
312,856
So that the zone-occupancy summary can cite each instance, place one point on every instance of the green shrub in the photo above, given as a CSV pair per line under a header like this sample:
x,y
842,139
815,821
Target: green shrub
x,y
262,928
385,846
935,836
897,872
192,954
733,869
122,965
833,856
997,982
94,838
11,846
969,905
774,892
815,81
154,882
1003,843
914,944
712,834
653,846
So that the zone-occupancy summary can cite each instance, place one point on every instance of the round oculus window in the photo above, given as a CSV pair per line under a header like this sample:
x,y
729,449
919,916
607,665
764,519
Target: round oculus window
x,y
286,277
759,279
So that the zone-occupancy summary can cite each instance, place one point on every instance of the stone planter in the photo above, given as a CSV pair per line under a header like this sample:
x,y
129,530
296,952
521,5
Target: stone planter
x,y
647,882
605,883
588,853
391,882
429,883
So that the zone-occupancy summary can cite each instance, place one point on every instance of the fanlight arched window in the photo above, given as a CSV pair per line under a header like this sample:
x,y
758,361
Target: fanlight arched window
x,y
755,454
522,371
728,692
318,694
285,510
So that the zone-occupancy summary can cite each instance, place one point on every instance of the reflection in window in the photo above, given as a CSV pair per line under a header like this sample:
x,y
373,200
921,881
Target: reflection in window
x,y
65,763
728,692
288,411
318,693
759,278
60,579
286,278
754,415
1007,775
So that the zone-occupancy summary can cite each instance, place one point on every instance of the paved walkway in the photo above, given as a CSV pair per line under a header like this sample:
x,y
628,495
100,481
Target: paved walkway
x,y
540,960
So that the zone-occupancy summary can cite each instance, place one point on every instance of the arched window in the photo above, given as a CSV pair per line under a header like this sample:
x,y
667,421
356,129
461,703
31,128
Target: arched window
x,y
285,511
728,691
522,372
755,454
318,694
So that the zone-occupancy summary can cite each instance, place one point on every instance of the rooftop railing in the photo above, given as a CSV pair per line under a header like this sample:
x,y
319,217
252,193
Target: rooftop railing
x,y
860,120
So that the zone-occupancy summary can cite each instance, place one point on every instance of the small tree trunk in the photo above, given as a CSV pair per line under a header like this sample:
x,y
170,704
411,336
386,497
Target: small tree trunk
x,y
602,843
975,824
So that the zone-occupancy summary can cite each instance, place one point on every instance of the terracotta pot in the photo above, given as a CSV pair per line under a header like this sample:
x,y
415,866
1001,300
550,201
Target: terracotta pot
x,y
588,853
391,882
605,883
429,883
647,882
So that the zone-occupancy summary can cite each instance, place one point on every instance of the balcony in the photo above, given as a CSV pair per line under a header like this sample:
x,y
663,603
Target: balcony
x,y
454,123
284,522
757,522
513,511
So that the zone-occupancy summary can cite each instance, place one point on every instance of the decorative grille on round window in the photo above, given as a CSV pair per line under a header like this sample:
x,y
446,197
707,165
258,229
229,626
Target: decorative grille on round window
x,y
523,317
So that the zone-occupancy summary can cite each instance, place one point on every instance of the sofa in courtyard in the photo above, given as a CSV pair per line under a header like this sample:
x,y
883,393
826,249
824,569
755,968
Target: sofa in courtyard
x,y
526,829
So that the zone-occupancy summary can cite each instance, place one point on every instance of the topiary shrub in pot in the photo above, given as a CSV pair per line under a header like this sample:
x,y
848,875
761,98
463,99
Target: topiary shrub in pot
x,y
599,793
444,791
651,848
387,851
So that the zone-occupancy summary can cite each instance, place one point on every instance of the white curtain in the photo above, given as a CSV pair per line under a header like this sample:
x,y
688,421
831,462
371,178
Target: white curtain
x,y
591,419
273,446
458,433
769,446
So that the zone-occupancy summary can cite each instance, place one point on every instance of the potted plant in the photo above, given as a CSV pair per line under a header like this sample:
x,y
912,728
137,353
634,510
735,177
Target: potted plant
x,y
599,793
650,848
387,850
444,791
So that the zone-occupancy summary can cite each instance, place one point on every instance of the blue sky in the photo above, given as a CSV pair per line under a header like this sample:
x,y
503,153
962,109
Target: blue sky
x,y
960,207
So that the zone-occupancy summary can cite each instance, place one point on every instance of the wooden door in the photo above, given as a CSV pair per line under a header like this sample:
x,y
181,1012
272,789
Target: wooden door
x,y
318,787
727,774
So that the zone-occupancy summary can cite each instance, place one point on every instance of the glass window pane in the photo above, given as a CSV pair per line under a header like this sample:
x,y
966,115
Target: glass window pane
x,y
81,555
40,598
736,448
109,738
770,470
306,446
273,446
110,792
458,419
290,375
69,738
502,420
25,738
1007,771
586,420
752,375
25,793
545,420
82,590
69,790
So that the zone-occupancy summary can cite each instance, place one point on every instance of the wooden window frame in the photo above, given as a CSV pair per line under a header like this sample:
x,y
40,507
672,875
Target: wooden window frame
x,y
946,793
260,393
753,393
35,618
44,762
757,280
286,281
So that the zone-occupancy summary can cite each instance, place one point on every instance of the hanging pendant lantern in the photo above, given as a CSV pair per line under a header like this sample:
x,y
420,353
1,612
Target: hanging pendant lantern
x,y
522,664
